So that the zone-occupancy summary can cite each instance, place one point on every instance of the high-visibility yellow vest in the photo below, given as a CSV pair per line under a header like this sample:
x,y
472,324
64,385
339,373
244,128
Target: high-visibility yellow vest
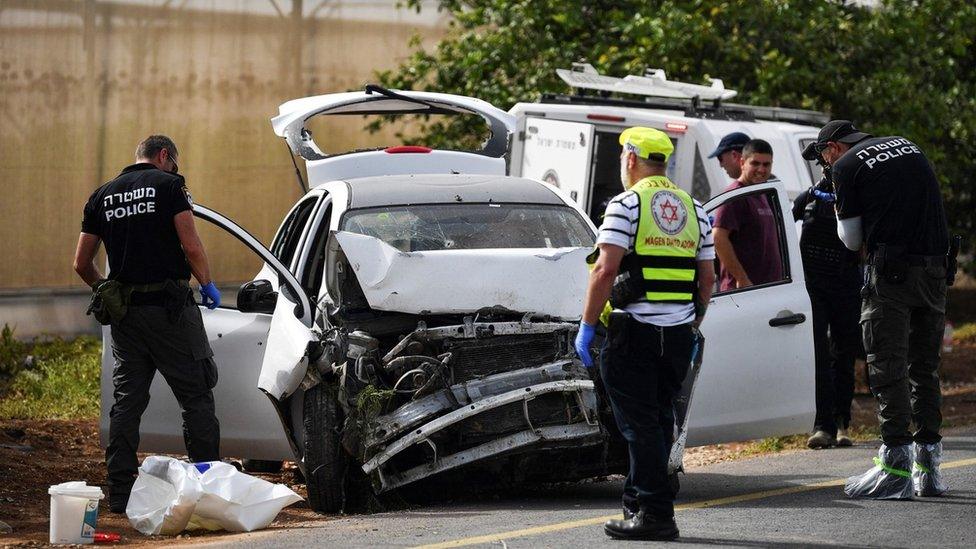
x,y
667,241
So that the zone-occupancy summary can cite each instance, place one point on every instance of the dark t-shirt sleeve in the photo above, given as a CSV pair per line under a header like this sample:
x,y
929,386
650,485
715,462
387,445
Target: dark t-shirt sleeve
x,y
799,204
848,199
91,222
174,197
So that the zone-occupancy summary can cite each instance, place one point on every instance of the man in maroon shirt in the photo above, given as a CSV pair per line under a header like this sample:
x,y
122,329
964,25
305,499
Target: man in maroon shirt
x,y
746,232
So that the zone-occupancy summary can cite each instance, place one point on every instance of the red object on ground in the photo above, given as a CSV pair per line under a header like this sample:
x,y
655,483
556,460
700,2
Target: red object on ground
x,y
107,537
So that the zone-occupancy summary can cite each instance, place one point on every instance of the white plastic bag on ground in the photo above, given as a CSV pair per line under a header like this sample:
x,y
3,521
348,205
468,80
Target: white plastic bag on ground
x,y
170,496
163,496
926,475
890,478
237,502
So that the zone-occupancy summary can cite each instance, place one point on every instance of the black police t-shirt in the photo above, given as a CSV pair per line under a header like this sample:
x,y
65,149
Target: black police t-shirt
x,y
888,182
133,215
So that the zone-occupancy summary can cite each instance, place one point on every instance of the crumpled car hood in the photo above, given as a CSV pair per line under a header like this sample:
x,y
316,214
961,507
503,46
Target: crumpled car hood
x,y
544,281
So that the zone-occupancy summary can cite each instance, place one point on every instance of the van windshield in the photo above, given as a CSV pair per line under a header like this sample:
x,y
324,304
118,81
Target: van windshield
x,y
471,226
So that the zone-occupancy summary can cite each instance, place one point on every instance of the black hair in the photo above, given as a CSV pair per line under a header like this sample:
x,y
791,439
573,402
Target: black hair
x,y
754,146
150,147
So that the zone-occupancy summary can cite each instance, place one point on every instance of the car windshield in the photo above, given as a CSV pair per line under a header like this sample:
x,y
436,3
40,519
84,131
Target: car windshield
x,y
471,226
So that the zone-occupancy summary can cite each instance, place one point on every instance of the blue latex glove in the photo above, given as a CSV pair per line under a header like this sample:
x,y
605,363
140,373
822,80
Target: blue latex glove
x,y
210,296
583,340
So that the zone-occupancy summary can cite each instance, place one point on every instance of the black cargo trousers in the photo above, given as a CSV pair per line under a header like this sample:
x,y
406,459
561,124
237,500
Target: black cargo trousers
x,y
836,345
147,340
642,367
903,324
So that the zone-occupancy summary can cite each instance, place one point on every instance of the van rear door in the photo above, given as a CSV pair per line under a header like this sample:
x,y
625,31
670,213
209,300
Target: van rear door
x,y
559,153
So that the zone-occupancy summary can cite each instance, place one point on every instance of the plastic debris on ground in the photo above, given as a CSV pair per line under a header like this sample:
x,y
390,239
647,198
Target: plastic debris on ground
x,y
170,496
926,473
890,478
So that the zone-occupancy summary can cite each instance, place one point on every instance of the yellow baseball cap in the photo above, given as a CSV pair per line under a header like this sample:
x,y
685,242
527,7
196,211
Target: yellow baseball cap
x,y
645,141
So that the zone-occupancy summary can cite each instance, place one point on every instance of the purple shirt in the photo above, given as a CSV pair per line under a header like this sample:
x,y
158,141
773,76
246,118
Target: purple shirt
x,y
754,234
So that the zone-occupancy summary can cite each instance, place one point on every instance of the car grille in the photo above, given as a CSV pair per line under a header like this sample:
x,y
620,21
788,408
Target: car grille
x,y
474,358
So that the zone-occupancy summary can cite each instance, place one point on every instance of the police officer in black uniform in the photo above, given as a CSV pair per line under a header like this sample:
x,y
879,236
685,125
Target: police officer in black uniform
x,y
833,277
145,218
889,201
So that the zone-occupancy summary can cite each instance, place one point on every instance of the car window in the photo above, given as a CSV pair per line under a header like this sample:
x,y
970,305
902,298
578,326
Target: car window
x,y
471,226
286,241
701,189
814,169
754,225
311,278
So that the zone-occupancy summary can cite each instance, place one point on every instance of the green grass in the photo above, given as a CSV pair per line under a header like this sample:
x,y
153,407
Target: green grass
x,y
61,383
965,333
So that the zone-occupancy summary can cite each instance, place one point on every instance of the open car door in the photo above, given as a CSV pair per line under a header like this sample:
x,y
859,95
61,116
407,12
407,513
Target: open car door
x,y
757,376
250,423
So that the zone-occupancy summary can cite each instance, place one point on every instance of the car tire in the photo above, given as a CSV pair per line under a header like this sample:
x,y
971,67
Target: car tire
x,y
325,461
262,466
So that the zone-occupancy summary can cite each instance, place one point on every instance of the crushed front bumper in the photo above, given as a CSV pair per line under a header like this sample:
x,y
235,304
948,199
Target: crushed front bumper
x,y
550,406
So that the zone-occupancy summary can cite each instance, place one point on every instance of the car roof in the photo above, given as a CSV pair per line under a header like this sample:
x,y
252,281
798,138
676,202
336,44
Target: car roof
x,y
368,192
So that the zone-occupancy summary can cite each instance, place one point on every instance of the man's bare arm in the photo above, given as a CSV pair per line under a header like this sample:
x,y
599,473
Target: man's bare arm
x,y
196,256
726,254
85,258
601,281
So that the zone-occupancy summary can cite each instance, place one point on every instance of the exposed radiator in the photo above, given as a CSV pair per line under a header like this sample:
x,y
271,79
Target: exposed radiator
x,y
472,358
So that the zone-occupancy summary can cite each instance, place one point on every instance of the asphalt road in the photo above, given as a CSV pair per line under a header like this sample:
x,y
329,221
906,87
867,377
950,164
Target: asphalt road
x,y
785,500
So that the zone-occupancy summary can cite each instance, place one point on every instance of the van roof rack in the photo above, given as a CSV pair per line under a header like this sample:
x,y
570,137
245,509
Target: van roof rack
x,y
661,93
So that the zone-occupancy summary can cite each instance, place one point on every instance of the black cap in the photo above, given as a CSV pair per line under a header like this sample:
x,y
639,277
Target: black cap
x,y
810,151
842,131
733,141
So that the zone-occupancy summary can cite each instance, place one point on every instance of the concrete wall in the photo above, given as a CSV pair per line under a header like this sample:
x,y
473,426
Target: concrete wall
x,y
82,82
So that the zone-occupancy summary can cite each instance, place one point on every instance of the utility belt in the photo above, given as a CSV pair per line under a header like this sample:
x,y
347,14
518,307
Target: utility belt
x,y
891,263
111,299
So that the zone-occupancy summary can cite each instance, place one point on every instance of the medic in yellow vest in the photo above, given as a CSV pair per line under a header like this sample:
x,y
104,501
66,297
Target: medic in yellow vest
x,y
653,265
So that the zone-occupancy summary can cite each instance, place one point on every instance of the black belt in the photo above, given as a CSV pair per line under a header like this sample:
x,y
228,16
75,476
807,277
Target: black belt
x,y
158,298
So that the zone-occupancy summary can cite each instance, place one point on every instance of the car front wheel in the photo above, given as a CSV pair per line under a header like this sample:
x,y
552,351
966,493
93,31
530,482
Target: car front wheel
x,y
325,461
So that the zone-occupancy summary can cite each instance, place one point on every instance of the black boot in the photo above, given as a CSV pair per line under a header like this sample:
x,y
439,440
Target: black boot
x,y
117,502
642,526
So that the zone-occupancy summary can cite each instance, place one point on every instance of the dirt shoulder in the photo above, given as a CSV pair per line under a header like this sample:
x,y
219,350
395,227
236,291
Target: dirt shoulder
x,y
37,454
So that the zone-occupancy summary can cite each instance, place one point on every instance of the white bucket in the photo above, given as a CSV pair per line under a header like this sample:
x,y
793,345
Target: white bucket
x,y
74,511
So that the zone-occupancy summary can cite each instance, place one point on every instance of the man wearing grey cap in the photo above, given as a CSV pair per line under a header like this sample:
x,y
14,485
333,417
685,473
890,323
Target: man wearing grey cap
x,y
729,153
888,200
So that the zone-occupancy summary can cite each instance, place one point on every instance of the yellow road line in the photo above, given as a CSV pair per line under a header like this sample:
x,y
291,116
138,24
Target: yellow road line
x,y
559,526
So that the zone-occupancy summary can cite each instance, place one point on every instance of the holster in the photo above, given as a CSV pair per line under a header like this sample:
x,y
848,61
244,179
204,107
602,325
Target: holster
x,y
628,287
890,263
108,303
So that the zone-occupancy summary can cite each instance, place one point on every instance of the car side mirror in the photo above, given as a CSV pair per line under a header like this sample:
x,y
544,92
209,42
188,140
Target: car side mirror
x,y
257,296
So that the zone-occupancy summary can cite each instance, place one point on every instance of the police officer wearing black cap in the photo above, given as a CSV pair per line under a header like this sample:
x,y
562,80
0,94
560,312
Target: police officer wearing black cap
x,y
888,200
833,278
145,218
729,153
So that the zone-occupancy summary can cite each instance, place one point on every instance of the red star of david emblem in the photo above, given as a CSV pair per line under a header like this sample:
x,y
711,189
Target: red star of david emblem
x,y
669,212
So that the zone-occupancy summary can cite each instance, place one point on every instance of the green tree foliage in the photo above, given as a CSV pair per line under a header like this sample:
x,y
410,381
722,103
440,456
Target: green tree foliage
x,y
901,67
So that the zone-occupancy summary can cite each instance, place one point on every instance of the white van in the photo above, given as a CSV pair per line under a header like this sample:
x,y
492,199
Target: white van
x,y
571,141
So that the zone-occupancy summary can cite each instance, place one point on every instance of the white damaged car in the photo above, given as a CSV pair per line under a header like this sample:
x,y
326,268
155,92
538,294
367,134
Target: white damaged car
x,y
415,317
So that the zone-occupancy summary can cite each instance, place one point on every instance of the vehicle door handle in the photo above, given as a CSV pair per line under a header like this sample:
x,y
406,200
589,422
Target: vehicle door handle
x,y
798,318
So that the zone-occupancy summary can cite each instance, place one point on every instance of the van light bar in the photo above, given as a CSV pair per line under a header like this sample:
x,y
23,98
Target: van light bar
x,y
676,126
407,149
605,117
